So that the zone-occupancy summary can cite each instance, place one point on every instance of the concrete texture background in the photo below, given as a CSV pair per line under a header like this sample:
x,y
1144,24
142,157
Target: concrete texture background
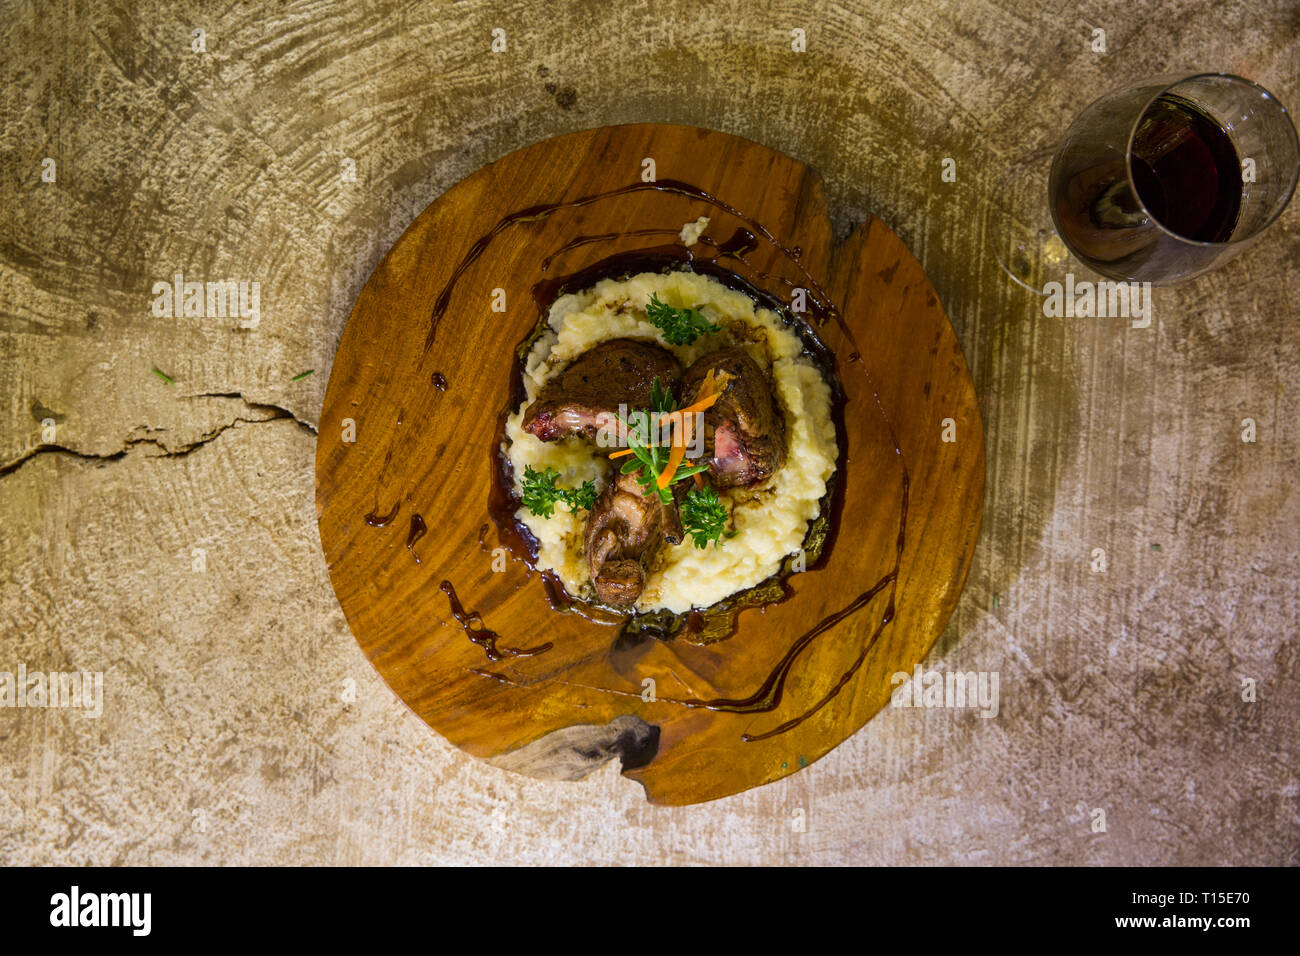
x,y
241,722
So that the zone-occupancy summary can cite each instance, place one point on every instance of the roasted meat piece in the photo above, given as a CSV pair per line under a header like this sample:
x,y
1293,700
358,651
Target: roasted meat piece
x,y
585,396
624,530
744,429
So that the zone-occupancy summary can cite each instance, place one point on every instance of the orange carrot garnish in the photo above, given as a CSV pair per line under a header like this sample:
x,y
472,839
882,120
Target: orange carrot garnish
x,y
681,426
681,423
701,405
674,459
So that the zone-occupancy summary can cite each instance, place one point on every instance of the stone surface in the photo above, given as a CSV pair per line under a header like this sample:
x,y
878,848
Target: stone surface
x,y
241,724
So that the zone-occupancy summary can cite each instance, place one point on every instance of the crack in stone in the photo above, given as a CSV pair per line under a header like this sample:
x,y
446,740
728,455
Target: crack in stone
x,y
280,410
48,448
276,414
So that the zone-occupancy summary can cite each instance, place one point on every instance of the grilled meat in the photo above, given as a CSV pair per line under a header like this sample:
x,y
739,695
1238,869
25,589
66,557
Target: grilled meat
x,y
744,429
585,397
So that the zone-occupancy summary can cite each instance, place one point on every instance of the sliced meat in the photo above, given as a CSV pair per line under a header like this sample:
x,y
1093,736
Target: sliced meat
x,y
585,397
624,530
744,429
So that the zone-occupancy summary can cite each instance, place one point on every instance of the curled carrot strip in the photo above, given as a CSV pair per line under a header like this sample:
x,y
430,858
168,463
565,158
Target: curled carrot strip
x,y
674,459
701,405
677,452
681,423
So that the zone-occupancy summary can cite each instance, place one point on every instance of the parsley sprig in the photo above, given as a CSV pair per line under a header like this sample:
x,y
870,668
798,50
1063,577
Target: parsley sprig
x,y
540,493
704,517
650,459
679,326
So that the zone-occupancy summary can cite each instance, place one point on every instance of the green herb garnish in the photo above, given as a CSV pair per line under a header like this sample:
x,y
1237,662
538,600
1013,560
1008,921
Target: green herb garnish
x,y
704,517
661,399
651,459
302,375
679,326
540,494
164,376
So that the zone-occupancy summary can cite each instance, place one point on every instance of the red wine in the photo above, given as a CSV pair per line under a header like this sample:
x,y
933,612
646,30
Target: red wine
x,y
1147,184
1186,170
1186,183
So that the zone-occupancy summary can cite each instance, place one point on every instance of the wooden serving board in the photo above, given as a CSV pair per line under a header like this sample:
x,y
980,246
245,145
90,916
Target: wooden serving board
x,y
425,367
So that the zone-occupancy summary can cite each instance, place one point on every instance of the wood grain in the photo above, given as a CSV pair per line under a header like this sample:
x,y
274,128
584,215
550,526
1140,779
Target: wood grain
x,y
241,693
424,450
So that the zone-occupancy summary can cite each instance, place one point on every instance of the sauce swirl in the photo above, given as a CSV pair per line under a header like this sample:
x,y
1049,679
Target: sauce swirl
x,y
471,622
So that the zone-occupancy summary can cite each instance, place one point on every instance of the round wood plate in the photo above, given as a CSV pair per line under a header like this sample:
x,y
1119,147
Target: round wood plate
x,y
409,426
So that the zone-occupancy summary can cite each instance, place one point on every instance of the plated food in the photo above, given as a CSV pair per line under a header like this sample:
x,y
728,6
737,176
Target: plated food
x,y
674,443
434,553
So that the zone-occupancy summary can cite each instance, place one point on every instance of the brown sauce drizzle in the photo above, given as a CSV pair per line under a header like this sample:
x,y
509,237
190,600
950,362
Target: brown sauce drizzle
x,y
563,603
741,242
578,241
769,694
817,297
502,504
471,622
833,619
376,520
418,529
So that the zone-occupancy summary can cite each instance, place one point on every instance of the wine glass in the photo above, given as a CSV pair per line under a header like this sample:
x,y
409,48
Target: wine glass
x,y
1157,182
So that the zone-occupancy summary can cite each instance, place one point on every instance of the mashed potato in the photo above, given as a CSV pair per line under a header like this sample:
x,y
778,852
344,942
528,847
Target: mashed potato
x,y
771,519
